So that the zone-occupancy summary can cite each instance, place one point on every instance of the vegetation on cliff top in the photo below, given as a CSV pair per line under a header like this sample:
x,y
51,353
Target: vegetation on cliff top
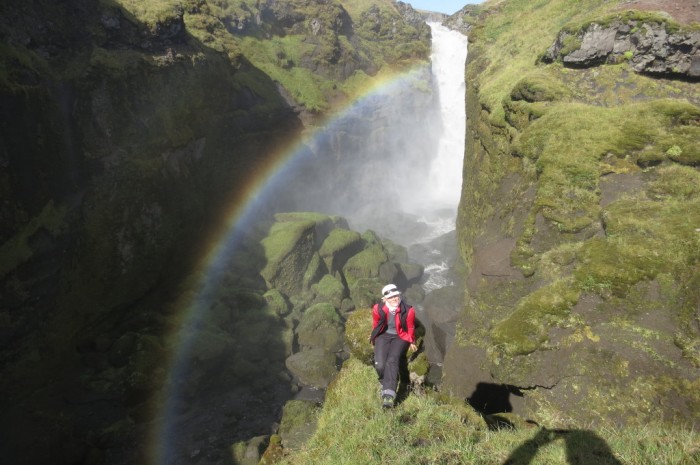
x,y
428,429
591,172
317,51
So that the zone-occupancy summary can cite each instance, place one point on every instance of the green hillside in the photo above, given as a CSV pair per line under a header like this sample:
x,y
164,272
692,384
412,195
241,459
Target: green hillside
x,y
426,429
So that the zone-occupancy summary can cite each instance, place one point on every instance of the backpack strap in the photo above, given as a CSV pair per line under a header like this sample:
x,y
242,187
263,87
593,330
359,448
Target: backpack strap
x,y
381,324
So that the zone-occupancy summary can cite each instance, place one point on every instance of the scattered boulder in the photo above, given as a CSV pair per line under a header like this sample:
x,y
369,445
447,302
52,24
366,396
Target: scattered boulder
x,y
320,328
314,367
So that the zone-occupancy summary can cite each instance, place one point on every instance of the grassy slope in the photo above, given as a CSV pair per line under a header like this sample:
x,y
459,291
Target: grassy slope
x,y
583,126
572,143
354,430
290,57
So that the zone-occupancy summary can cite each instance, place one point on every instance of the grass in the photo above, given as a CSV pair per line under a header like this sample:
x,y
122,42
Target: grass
x,y
149,12
625,251
427,429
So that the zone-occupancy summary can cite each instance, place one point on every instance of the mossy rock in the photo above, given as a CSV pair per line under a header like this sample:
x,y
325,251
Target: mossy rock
x,y
276,303
366,292
412,272
274,452
249,452
419,365
527,328
314,367
365,264
539,88
357,330
396,252
320,327
289,249
389,272
315,271
338,247
330,290
371,238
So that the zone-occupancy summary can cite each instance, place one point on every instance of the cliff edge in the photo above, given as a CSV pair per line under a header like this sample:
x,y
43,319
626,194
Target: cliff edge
x,y
580,213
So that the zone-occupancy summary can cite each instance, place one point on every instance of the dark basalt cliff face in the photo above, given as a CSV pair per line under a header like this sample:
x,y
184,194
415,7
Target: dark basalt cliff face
x,y
126,128
582,304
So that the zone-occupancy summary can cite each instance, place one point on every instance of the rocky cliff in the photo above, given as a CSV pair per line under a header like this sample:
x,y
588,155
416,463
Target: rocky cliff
x,y
579,214
127,128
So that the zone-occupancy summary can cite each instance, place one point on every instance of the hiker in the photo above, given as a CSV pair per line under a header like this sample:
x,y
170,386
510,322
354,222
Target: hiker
x,y
393,333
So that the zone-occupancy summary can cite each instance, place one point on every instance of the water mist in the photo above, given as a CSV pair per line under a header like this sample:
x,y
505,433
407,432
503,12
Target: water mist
x,y
392,162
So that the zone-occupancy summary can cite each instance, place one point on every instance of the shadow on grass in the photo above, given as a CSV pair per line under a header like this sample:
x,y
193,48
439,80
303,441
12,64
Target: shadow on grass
x,y
582,447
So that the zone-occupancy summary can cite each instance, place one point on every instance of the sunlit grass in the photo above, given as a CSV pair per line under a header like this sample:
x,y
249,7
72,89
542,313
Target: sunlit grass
x,y
354,430
150,11
514,51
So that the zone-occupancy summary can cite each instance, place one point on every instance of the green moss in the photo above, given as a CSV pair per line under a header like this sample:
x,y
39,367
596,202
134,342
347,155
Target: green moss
x,y
569,141
644,238
539,87
150,12
284,236
337,240
365,264
365,292
17,250
526,329
677,182
330,290
15,63
115,62
419,365
315,271
275,303
570,44
357,329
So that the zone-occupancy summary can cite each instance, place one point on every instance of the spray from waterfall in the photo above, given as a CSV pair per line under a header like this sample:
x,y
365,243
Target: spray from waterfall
x,y
391,163
395,158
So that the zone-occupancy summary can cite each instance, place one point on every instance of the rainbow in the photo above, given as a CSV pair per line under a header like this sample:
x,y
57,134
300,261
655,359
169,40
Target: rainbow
x,y
237,219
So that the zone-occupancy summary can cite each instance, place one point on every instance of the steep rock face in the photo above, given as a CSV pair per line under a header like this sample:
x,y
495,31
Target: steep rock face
x,y
127,129
577,308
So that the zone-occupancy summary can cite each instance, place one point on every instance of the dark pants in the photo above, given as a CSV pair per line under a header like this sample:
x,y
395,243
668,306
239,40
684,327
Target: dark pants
x,y
389,351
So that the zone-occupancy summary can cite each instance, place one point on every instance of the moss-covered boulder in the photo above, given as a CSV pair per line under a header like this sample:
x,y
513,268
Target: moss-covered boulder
x,y
357,330
320,327
313,367
365,292
329,289
339,246
276,303
365,264
289,249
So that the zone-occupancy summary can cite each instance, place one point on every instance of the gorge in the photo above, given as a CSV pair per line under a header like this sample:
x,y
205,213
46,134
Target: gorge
x,y
201,201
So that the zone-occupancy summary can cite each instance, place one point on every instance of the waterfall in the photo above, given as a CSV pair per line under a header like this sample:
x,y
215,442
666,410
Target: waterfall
x,y
392,163
442,187
449,53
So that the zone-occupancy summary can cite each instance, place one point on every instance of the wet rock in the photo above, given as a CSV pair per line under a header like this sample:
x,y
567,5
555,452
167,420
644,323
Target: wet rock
x,y
314,367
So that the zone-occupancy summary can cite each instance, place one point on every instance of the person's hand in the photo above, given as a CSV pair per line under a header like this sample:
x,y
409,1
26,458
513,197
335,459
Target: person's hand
x,y
413,347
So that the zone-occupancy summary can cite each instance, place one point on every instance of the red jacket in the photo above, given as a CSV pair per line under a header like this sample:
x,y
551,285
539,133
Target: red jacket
x,y
406,332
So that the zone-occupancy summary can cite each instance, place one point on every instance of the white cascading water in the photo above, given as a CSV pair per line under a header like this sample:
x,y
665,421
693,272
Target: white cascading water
x,y
449,53
444,181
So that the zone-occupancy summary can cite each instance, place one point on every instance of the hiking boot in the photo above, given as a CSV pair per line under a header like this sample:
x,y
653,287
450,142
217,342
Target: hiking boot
x,y
387,401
